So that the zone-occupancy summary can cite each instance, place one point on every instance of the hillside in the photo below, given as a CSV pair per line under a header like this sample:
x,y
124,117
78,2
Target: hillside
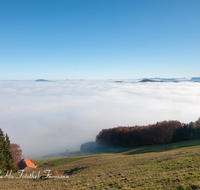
x,y
173,166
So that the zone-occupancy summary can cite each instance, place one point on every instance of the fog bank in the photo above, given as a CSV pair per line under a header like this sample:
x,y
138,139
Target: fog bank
x,y
50,117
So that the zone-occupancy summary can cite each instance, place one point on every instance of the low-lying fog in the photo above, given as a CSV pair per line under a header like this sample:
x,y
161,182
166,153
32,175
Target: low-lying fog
x,y
50,117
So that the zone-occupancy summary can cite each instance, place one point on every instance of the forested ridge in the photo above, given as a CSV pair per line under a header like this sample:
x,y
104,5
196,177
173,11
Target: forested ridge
x,y
163,132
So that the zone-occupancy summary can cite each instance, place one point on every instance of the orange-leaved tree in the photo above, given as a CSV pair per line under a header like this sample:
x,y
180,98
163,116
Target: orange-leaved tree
x,y
16,152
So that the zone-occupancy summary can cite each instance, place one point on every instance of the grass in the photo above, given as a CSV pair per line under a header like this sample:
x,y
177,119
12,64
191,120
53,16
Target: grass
x,y
161,148
174,166
60,161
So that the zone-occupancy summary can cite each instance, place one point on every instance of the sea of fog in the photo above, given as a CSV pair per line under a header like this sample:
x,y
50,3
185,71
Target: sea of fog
x,y
50,117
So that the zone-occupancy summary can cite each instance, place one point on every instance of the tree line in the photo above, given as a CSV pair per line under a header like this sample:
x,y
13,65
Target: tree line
x,y
10,154
163,132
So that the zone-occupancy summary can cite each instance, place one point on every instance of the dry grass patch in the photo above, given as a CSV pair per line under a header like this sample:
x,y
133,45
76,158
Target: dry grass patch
x,y
171,169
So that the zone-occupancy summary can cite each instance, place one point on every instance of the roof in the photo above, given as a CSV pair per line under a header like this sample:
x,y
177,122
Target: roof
x,y
25,163
29,163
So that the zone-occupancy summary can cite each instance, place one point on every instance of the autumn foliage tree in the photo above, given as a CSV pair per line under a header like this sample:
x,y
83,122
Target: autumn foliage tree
x,y
16,152
163,132
159,133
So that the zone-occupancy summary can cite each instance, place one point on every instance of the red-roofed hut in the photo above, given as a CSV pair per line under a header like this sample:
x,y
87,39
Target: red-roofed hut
x,y
26,165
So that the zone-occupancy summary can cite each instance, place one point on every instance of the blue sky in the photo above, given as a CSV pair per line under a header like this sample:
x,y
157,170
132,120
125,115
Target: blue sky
x,y
99,39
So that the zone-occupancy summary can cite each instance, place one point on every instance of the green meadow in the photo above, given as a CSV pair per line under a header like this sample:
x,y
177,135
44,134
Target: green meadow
x,y
173,166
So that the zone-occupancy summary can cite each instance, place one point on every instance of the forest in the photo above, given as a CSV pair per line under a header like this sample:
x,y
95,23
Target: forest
x,y
163,132
10,154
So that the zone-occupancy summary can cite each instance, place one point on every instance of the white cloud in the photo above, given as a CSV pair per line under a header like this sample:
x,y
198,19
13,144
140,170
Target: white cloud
x,y
50,117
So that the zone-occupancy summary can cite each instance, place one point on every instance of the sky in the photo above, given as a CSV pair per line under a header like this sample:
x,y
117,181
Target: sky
x,y
49,117
101,39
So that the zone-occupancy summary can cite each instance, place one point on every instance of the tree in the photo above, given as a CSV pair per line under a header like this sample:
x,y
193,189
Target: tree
x,y
6,158
8,163
16,152
2,139
160,133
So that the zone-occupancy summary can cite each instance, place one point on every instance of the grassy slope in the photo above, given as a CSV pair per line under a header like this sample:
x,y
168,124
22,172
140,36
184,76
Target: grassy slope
x,y
174,166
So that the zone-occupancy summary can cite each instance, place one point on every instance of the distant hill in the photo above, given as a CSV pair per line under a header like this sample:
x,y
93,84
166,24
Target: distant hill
x,y
119,81
148,80
157,79
41,80
195,79
167,79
